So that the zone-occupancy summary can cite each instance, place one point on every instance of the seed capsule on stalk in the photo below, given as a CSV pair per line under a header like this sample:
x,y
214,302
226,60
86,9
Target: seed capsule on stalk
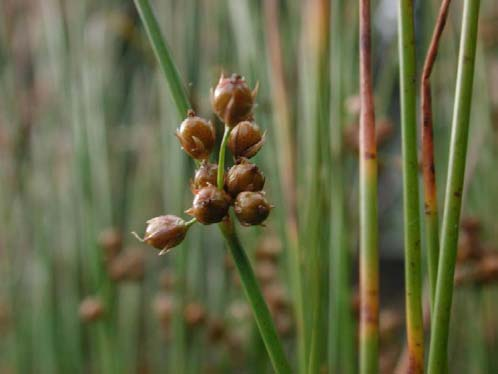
x,y
210,205
164,232
205,175
244,176
251,208
232,99
245,140
197,136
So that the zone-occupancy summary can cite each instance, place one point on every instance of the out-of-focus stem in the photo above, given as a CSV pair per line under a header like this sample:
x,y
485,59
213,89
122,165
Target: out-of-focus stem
x,y
428,163
341,334
413,262
454,189
286,161
369,254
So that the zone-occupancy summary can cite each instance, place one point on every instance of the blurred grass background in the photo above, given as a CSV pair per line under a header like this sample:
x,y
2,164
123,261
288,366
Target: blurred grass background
x,y
88,154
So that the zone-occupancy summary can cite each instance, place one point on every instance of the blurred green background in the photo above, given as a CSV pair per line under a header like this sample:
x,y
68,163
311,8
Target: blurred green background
x,y
88,154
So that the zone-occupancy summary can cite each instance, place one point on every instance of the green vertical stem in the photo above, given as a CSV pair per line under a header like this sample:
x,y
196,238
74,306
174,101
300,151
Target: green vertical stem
x,y
454,188
255,298
341,335
369,253
163,54
285,145
413,263
221,159
428,163
249,283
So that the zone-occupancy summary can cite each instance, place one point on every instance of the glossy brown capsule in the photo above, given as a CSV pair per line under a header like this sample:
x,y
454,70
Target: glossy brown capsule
x,y
91,309
245,140
197,136
210,205
232,99
251,208
244,176
205,175
165,232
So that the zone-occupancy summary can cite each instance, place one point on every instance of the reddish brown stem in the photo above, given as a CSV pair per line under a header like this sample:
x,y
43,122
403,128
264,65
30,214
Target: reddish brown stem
x,y
428,166
369,256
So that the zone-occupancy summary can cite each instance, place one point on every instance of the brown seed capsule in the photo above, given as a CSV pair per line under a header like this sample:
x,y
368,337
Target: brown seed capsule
x,y
165,232
205,175
245,140
194,314
244,177
251,208
197,136
111,242
232,99
210,205
91,309
164,307
129,266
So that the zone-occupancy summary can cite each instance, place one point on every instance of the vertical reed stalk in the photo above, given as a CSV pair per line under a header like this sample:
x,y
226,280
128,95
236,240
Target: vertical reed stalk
x,y
255,298
428,164
454,188
413,271
341,336
286,160
369,254
163,54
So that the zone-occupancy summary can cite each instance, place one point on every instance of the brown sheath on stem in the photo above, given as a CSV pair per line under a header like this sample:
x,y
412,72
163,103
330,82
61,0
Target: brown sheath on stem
x,y
428,167
369,259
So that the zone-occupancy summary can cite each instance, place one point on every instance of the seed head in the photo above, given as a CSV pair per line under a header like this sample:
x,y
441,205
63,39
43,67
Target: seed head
x,y
205,175
245,140
251,208
164,232
210,205
197,136
244,176
91,309
232,99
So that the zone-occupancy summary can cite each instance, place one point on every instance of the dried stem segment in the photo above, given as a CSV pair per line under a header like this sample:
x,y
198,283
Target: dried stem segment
x,y
411,213
428,164
454,189
369,255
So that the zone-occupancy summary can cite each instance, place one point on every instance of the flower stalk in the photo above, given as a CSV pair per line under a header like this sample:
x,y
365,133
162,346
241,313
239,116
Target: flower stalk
x,y
413,263
369,254
454,188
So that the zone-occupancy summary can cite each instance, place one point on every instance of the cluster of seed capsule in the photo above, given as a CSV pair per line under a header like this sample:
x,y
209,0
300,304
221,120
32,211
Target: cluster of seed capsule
x,y
216,191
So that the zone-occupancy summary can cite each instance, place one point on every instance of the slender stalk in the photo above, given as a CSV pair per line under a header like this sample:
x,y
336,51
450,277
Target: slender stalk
x,y
286,160
251,288
428,165
341,336
454,188
413,262
258,304
369,254
221,158
163,54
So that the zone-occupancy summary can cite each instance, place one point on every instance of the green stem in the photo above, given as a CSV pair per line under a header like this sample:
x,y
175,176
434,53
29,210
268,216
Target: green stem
x,y
249,283
413,262
454,188
171,73
221,158
255,298
369,251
